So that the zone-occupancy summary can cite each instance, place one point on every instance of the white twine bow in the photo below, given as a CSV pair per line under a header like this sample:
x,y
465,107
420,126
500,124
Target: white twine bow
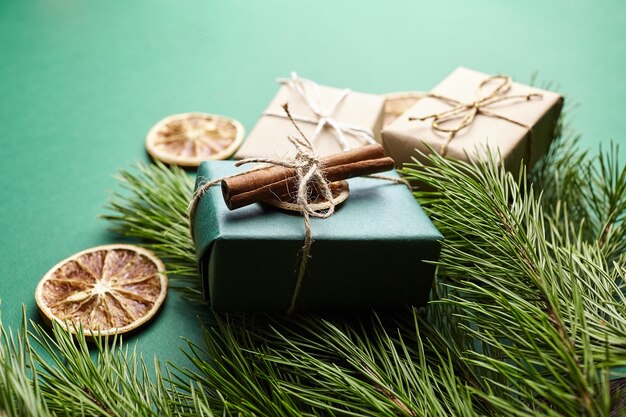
x,y
310,93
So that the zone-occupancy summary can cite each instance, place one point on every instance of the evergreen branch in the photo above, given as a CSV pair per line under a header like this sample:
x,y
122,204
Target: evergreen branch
x,y
19,395
505,263
310,365
117,383
584,195
542,308
54,374
527,316
223,385
608,203
153,209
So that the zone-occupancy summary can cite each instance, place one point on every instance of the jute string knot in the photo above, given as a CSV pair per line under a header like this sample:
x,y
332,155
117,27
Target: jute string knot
x,y
309,91
467,112
309,179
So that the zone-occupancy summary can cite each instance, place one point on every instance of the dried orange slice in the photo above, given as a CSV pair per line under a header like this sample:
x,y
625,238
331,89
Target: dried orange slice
x,y
188,139
107,289
398,103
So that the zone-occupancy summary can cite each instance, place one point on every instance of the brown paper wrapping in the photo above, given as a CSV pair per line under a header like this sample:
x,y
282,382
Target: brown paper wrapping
x,y
268,138
514,143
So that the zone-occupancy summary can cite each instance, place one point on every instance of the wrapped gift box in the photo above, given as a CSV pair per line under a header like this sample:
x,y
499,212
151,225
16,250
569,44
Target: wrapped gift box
x,y
513,141
268,138
376,250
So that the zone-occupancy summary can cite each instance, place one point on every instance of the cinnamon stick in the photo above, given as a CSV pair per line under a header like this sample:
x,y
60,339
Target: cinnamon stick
x,y
270,175
258,185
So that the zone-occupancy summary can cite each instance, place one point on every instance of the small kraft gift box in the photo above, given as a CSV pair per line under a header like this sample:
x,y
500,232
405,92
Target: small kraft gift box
x,y
469,113
376,250
334,120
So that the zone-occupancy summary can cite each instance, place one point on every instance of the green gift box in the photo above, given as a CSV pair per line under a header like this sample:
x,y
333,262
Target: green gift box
x,y
376,250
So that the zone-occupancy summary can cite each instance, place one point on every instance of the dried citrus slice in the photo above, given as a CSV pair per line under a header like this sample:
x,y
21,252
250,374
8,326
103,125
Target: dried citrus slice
x,y
187,139
398,103
107,289
340,191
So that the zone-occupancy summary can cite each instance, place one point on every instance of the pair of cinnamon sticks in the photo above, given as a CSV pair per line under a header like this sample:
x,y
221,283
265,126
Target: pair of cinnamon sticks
x,y
275,181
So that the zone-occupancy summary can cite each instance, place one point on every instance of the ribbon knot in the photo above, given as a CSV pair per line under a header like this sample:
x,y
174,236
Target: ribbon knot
x,y
310,181
310,93
466,113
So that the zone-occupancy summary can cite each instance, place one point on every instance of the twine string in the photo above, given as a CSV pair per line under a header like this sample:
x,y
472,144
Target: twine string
x,y
309,91
467,112
310,178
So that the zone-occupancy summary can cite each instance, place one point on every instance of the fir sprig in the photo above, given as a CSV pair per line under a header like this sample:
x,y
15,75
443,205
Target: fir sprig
x,y
527,316
54,374
542,309
152,208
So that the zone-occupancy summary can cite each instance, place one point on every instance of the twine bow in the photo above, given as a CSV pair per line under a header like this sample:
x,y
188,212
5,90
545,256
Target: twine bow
x,y
467,112
309,92
309,178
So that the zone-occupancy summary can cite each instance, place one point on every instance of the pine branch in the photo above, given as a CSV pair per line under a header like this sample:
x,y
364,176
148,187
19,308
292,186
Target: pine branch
x,y
19,395
483,275
231,387
544,309
54,374
153,209
311,365
584,195
527,316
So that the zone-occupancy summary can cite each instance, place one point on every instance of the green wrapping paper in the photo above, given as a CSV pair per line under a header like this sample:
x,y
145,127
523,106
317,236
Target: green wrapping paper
x,y
375,251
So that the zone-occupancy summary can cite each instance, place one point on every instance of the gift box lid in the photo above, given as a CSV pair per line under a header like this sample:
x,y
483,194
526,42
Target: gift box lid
x,y
378,215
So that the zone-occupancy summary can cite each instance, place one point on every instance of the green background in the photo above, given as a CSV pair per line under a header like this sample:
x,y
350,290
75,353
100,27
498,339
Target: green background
x,y
81,82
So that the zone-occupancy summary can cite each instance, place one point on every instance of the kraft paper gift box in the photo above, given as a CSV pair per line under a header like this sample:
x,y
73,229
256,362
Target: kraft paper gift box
x,y
524,132
376,250
268,138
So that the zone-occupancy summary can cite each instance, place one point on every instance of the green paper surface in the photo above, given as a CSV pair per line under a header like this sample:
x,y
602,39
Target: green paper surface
x,y
376,250
81,83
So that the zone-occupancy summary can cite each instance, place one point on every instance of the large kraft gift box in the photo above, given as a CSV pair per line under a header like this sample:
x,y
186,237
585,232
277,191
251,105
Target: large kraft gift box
x,y
268,138
526,135
376,250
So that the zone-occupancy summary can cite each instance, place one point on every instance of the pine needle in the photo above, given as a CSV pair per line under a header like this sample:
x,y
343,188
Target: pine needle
x,y
527,317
